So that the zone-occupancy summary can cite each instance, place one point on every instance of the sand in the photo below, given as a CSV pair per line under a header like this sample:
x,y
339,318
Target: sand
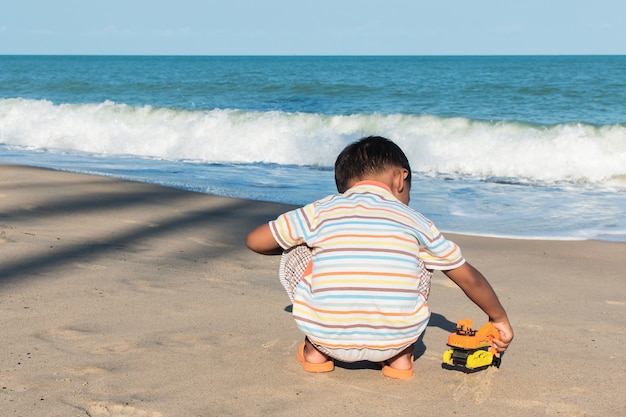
x,y
128,299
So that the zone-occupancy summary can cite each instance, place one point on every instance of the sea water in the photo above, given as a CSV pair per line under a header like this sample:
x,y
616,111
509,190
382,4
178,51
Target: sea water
x,y
511,146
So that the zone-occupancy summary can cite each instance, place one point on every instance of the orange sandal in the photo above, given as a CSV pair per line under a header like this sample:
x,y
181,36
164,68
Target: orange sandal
x,y
394,373
314,367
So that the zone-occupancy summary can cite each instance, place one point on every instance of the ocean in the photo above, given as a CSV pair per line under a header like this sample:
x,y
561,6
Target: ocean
x,y
529,147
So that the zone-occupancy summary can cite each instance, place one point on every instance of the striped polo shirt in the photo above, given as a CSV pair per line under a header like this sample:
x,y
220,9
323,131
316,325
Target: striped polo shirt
x,y
361,293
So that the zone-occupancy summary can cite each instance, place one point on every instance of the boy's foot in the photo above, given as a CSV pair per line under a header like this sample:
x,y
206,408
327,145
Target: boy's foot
x,y
325,365
394,373
400,366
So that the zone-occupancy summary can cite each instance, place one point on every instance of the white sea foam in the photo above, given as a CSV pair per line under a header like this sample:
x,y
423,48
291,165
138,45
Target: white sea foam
x,y
508,151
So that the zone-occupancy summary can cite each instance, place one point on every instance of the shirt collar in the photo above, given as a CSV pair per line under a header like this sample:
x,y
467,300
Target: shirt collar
x,y
368,184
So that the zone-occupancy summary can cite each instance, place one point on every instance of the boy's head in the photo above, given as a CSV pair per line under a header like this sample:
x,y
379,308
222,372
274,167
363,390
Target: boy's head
x,y
368,157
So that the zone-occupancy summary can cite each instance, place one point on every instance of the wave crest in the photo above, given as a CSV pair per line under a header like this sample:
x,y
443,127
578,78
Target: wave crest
x,y
571,152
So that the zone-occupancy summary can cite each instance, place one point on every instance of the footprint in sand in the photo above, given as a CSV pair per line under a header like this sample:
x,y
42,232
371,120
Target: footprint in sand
x,y
117,410
270,344
5,238
67,333
72,339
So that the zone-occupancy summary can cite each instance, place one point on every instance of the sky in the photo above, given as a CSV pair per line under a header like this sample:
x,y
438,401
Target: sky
x,y
314,27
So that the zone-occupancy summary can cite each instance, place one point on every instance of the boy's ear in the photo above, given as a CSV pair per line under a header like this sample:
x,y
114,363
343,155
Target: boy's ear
x,y
399,178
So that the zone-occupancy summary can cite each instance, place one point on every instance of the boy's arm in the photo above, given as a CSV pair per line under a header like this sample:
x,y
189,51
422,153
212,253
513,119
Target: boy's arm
x,y
262,240
477,289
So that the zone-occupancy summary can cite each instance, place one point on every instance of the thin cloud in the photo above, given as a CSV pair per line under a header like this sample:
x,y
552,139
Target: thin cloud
x,y
114,30
506,30
43,32
175,33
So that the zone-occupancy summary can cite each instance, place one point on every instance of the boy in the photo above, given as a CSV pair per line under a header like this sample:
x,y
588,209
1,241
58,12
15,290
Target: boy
x,y
357,265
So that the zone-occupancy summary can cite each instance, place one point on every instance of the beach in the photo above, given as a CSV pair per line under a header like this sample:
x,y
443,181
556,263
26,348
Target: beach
x,y
122,298
499,153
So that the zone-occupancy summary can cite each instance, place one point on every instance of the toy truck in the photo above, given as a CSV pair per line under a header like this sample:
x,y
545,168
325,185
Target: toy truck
x,y
471,348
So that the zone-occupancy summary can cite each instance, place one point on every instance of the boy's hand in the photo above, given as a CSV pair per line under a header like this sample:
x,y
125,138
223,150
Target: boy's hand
x,y
506,335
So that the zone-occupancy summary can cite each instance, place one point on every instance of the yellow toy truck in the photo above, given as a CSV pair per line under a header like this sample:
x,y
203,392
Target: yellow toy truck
x,y
471,348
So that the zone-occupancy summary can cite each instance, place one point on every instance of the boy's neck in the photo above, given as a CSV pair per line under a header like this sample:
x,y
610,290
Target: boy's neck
x,y
392,179
377,183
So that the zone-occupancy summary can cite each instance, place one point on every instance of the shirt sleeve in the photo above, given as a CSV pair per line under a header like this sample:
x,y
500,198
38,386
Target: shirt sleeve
x,y
294,227
439,253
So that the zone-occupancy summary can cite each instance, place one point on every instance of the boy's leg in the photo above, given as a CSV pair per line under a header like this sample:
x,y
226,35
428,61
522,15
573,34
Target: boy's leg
x,y
400,366
312,359
403,360
293,263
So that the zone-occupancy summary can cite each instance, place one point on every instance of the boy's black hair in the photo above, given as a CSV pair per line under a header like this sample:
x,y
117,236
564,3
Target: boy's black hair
x,y
370,155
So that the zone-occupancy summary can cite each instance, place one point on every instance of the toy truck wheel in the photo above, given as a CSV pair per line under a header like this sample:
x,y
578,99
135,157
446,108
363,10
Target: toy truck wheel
x,y
479,359
447,356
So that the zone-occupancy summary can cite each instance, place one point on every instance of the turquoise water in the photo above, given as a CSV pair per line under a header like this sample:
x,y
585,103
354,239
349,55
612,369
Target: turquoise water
x,y
529,147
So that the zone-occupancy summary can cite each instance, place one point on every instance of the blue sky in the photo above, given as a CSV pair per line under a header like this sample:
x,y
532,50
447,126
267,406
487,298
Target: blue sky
x,y
315,27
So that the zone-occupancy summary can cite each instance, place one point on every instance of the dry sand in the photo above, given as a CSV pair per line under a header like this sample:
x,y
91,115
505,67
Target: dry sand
x,y
127,299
